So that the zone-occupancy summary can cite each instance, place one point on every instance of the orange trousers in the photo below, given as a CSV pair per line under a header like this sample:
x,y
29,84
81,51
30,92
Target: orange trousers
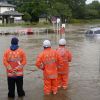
x,y
50,85
63,80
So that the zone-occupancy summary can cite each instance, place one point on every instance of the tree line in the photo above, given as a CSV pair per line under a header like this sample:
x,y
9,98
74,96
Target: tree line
x,y
65,9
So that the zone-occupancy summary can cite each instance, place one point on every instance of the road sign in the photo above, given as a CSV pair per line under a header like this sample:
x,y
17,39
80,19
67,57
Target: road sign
x,y
58,20
63,25
54,20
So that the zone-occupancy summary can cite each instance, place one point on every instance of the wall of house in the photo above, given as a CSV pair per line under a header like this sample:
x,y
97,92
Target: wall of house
x,y
41,20
3,9
0,21
18,18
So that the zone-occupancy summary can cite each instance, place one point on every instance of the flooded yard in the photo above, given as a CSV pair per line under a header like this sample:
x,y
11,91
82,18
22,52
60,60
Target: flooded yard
x,y
84,83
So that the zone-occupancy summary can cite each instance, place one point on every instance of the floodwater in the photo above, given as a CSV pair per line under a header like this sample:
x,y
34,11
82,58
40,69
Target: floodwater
x,y
84,82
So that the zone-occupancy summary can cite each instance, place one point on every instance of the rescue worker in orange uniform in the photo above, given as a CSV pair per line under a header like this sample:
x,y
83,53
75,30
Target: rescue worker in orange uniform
x,y
14,60
64,71
48,61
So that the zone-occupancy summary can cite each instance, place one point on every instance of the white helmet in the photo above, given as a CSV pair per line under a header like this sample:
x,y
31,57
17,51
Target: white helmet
x,y
62,42
46,43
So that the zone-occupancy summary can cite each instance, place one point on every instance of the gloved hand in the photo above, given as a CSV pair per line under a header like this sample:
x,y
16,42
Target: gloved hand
x,y
18,68
43,68
9,68
14,71
20,65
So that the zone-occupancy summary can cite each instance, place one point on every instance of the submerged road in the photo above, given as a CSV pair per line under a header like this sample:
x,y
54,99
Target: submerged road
x,y
84,83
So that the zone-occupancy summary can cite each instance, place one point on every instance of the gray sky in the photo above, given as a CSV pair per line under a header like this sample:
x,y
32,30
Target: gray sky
x,y
89,1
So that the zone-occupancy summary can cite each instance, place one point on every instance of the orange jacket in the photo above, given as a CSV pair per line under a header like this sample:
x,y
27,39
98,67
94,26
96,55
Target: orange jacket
x,y
48,61
66,56
12,58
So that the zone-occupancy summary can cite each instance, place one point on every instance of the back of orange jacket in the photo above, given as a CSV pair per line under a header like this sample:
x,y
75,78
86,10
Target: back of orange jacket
x,y
12,58
66,56
48,61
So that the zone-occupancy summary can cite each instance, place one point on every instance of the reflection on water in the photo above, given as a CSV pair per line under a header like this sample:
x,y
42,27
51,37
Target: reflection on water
x,y
62,95
84,71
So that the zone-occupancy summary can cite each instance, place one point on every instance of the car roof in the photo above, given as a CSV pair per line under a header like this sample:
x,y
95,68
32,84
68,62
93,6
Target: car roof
x,y
95,29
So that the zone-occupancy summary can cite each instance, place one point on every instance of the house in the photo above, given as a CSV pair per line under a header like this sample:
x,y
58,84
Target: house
x,y
8,14
43,18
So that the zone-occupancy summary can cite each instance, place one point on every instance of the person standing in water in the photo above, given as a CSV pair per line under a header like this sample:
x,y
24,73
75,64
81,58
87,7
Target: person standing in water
x,y
63,72
48,61
14,60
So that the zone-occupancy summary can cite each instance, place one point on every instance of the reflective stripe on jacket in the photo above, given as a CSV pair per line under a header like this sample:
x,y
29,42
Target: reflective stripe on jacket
x,y
67,57
13,58
49,60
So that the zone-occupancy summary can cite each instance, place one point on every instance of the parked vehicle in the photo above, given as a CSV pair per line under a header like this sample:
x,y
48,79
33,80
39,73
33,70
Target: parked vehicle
x,y
93,32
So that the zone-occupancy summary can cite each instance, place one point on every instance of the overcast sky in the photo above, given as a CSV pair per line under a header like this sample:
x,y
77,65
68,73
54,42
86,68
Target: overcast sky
x,y
89,1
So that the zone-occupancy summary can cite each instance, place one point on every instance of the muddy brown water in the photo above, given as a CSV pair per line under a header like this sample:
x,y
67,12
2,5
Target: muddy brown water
x,y
84,83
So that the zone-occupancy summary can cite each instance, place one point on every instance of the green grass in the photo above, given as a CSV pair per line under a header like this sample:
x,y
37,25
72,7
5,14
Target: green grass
x,y
84,21
45,24
33,24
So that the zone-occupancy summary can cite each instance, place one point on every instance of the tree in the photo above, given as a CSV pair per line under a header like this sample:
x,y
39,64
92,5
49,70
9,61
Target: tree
x,y
77,7
93,10
27,17
65,9
62,10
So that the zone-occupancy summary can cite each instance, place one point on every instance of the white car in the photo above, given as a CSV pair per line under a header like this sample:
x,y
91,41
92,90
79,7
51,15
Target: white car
x,y
93,32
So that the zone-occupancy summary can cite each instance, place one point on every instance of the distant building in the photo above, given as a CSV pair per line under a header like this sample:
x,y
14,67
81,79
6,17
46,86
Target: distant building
x,y
8,13
43,18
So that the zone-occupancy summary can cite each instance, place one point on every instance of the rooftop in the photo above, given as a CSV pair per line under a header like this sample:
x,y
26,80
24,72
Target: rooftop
x,y
11,13
6,5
